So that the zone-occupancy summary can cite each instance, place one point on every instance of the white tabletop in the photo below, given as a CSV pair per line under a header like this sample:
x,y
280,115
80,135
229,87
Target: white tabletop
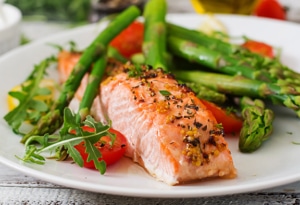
x,y
18,188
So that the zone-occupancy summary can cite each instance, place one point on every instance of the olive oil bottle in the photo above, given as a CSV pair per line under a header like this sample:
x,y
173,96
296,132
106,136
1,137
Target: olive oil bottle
x,y
224,6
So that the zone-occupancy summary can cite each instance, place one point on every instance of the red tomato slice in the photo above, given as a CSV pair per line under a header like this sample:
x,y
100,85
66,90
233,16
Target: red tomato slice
x,y
259,47
110,154
230,122
270,9
130,40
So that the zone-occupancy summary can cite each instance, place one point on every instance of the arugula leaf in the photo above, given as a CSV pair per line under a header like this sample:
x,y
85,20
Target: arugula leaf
x,y
67,139
29,108
74,154
94,154
70,123
99,128
31,156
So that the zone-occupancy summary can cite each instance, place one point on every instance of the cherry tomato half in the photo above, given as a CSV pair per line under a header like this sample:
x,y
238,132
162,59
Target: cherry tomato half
x,y
259,48
110,154
230,122
130,40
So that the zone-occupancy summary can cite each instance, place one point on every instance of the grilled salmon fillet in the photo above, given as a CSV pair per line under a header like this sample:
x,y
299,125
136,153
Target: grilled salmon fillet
x,y
169,130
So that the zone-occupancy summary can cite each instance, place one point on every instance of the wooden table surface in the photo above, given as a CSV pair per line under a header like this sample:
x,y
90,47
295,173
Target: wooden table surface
x,y
19,188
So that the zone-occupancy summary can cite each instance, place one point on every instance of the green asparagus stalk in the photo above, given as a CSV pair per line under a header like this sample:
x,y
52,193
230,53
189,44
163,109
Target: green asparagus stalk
x,y
92,88
222,63
212,59
257,124
53,120
154,45
201,38
241,86
277,72
114,53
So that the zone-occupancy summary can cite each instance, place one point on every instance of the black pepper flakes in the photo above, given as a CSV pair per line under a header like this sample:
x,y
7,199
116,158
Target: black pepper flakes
x,y
192,106
191,141
217,132
198,125
185,88
211,140
178,117
152,92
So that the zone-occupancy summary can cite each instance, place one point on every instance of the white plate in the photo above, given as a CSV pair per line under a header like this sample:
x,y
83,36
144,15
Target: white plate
x,y
276,163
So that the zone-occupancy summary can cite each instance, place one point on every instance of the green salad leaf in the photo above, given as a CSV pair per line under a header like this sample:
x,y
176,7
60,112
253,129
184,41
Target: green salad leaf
x,y
30,109
71,134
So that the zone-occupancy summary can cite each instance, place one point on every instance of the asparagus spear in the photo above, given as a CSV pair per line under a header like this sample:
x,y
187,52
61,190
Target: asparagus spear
x,y
201,39
154,45
114,53
92,88
277,72
225,64
53,120
212,59
257,125
241,86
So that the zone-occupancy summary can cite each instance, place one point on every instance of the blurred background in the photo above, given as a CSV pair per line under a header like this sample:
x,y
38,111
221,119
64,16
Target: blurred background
x,y
82,11
76,11
45,17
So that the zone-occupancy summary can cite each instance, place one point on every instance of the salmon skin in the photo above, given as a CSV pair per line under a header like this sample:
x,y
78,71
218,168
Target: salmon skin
x,y
169,130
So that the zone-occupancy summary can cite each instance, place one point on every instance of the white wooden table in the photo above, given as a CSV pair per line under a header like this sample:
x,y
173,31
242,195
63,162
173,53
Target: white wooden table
x,y
18,188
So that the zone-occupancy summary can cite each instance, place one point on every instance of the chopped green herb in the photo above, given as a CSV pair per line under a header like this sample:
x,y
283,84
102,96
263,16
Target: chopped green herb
x,y
220,126
134,70
165,93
